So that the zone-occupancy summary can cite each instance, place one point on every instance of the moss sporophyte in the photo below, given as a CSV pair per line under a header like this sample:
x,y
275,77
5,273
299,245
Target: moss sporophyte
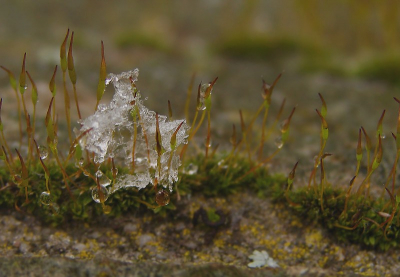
x,y
125,156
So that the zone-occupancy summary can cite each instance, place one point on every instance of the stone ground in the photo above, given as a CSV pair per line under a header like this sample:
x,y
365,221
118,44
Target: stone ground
x,y
148,244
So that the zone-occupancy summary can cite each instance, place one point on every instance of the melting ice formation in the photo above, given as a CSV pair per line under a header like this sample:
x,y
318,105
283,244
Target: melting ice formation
x,y
113,136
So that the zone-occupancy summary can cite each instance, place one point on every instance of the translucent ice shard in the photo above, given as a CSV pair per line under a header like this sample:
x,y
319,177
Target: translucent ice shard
x,y
126,131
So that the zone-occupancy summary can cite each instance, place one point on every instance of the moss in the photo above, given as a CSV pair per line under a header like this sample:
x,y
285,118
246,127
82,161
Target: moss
x,y
326,63
257,46
138,39
382,68
354,226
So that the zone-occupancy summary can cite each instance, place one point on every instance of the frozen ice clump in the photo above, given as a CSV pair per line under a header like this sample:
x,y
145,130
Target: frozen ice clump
x,y
112,135
112,118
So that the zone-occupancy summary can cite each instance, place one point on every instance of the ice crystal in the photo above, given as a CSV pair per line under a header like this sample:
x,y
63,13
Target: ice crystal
x,y
112,135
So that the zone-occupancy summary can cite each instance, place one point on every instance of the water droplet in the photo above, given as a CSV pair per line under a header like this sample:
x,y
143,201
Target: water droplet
x,y
222,164
99,173
16,178
201,106
203,89
207,144
283,124
115,171
279,142
162,197
45,198
96,194
80,162
43,152
55,141
191,169
383,136
104,180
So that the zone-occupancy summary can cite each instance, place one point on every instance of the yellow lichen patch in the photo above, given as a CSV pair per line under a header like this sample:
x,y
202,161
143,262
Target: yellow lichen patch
x,y
239,248
40,253
60,234
279,254
228,232
205,257
85,255
323,260
134,235
186,232
146,219
220,202
255,229
296,223
363,264
300,252
114,239
314,238
187,256
92,245
219,243
157,245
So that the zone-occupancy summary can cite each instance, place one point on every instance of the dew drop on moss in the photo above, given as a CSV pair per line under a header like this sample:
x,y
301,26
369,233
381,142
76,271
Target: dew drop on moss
x,y
222,164
203,89
99,173
279,142
162,197
55,142
17,179
191,169
80,162
201,107
283,124
207,143
45,198
43,152
104,181
96,193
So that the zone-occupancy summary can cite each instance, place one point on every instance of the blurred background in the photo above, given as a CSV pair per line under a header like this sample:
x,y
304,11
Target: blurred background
x,y
346,50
